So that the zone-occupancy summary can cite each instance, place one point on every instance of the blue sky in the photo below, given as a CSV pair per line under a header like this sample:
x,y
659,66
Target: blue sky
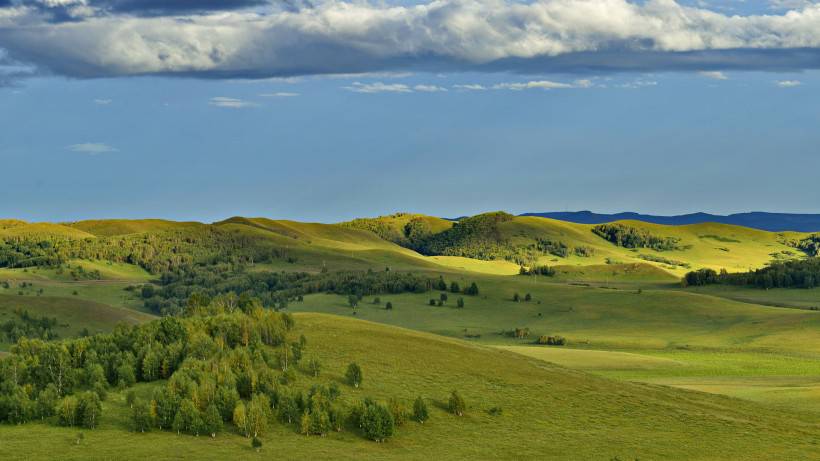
x,y
445,133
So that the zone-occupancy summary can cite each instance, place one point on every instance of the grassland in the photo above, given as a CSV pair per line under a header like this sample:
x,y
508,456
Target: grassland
x,y
549,412
73,315
639,345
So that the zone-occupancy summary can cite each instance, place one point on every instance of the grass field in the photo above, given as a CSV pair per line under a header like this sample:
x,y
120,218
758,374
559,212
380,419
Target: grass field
x,y
73,314
549,412
656,365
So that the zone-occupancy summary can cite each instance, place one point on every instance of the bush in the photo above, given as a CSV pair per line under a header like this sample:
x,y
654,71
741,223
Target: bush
x,y
376,421
354,375
551,340
456,404
420,412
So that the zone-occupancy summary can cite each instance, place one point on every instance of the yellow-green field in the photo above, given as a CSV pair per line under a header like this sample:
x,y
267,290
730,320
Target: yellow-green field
x,y
649,365
549,412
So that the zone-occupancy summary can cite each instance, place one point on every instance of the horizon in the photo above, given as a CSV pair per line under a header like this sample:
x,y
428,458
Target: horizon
x,y
449,218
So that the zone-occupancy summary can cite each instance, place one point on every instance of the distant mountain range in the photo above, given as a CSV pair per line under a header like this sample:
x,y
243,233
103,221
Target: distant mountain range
x,y
774,222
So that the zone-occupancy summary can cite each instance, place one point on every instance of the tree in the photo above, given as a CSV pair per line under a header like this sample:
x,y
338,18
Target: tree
x,y
188,418
315,367
388,306
240,419
460,302
377,300
354,375
212,420
527,297
353,301
516,297
256,443
454,288
67,411
141,418
432,302
472,290
420,412
456,404
376,421
47,401
443,297
258,414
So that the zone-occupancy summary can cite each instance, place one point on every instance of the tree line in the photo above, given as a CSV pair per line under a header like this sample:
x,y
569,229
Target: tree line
x,y
804,273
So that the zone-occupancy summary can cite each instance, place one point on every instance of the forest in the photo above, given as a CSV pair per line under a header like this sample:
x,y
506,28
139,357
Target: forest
x,y
225,364
803,273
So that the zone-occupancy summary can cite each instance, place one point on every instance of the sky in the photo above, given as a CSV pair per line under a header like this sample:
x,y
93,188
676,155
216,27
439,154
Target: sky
x,y
330,110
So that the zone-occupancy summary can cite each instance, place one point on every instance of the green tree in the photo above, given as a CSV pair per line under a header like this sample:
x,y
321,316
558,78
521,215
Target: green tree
x,y
47,401
460,302
212,420
354,375
388,306
376,421
454,288
456,404
141,417
89,409
420,412
258,414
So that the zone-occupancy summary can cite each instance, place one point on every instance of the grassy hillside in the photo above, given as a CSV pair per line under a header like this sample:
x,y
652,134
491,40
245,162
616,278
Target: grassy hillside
x,y
73,315
548,412
110,227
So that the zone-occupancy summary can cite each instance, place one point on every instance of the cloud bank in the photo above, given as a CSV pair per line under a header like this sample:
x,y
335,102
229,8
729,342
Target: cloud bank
x,y
250,39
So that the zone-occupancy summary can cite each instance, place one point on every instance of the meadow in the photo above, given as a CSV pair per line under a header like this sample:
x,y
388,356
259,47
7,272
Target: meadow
x,y
648,366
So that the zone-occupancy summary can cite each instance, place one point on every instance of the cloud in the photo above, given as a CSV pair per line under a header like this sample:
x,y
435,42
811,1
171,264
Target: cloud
x,y
339,37
378,87
714,75
92,148
470,87
280,94
429,88
541,84
788,83
231,103
103,102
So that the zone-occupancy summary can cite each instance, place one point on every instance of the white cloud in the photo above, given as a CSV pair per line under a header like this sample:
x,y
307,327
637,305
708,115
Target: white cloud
x,y
429,88
788,83
378,87
714,75
91,148
470,87
231,103
337,36
103,102
281,94
540,84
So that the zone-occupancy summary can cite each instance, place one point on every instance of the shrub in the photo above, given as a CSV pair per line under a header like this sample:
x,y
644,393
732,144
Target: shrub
x,y
420,412
376,421
354,375
456,404
551,340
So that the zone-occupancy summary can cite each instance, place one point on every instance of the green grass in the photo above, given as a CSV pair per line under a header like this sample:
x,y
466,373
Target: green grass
x,y
73,314
549,412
